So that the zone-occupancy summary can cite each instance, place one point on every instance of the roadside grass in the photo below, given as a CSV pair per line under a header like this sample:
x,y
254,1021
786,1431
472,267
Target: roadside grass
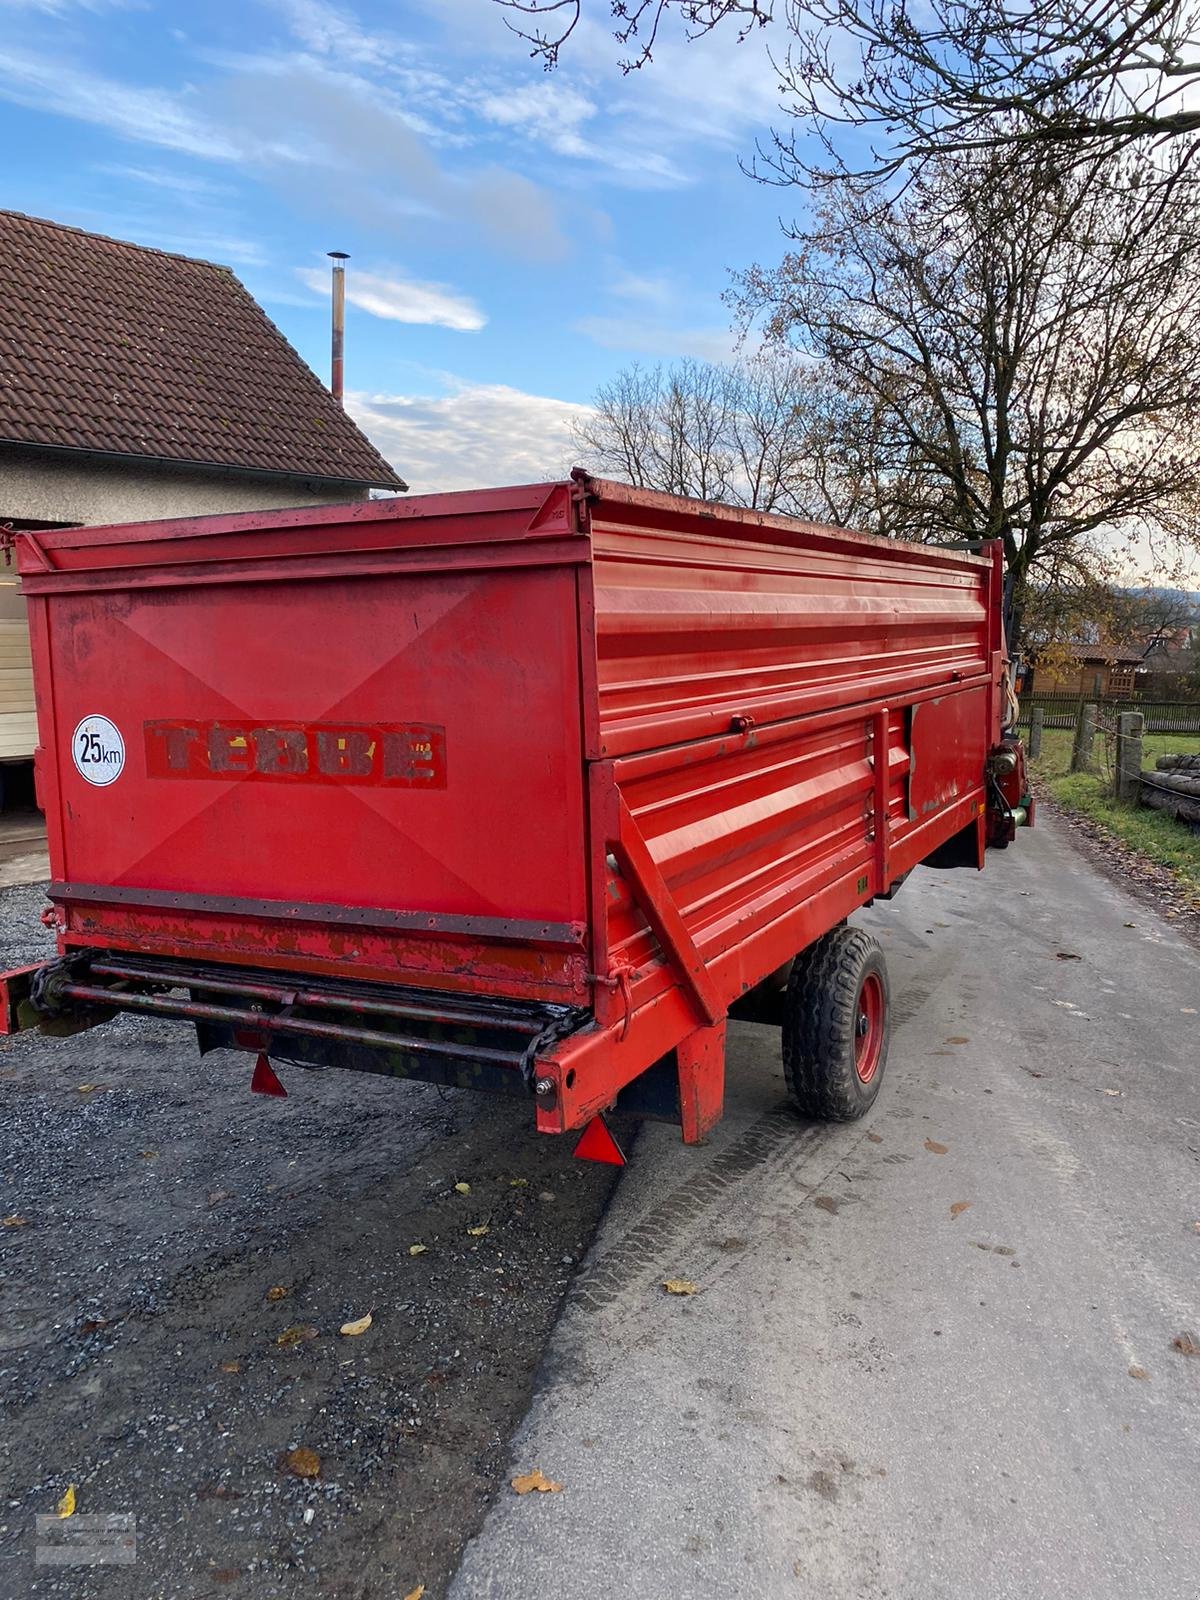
x,y
1157,837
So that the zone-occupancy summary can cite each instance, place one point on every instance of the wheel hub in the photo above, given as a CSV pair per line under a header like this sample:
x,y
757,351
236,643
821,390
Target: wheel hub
x,y
868,1028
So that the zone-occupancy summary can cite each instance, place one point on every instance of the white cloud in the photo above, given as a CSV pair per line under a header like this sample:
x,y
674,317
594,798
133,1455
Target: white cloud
x,y
647,288
709,91
333,142
330,31
352,151
401,299
474,436
152,116
159,178
543,109
646,337
642,129
56,8
567,121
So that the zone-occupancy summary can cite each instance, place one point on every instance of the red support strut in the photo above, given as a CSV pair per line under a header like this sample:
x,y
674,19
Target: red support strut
x,y
700,1059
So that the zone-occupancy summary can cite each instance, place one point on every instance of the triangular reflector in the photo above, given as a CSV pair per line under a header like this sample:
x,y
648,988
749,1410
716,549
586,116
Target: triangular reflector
x,y
597,1144
264,1080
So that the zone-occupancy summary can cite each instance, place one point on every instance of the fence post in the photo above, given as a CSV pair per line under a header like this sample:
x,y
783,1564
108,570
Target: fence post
x,y
1085,734
1036,718
1129,755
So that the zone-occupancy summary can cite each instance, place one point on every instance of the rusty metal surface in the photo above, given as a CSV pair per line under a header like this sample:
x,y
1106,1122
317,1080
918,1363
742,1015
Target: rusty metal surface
x,y
434,1008
484,1039
570,935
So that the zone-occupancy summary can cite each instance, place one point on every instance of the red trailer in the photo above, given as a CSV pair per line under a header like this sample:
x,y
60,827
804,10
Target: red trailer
x,y
525,789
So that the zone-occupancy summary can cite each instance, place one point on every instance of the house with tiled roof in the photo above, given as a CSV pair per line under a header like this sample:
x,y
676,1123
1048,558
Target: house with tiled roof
x,y
136,384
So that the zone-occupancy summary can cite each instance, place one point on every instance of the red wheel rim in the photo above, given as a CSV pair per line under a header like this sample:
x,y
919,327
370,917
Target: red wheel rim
x,y
868,1032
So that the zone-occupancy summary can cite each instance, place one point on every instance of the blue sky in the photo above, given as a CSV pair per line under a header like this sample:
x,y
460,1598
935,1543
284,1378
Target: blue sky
x,y
516,236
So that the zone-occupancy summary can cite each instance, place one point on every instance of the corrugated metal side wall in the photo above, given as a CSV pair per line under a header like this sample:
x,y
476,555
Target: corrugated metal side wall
x,y
738,686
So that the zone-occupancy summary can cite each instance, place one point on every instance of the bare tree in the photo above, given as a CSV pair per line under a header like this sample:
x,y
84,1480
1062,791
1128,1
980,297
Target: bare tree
x,y
1030,336
1088,76
772,433
665,428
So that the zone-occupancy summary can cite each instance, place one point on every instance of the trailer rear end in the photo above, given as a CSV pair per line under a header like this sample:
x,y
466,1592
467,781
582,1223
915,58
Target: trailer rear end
x,y
523,789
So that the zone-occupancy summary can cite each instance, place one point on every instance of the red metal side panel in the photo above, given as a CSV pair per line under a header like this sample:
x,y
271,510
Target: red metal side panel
x,y
322,769
743,830
704,617
763,688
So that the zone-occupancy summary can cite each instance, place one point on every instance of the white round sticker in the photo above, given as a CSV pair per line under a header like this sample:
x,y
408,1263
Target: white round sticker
x,y
98,750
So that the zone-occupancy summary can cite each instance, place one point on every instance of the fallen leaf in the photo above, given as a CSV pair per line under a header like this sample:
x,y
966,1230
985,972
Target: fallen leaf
x,y
278,1291
1131,924
300,1333
680,1286
1116,1093
959,1206
478,1233
1188,1011
526,1482
66,1506
15,1222
1067,955
826,1202
148,1155
359,1325
218,1195
303,1462
1138,1372
875,1138
935,1148
94,1324
1186,1343
518,1183
226,1574
462,1188
88,1088
417,1249
231,1366
415,1594
958,1038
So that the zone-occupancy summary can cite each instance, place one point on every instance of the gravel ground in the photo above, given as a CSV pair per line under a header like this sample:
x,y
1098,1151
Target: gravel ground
x,y
172,1227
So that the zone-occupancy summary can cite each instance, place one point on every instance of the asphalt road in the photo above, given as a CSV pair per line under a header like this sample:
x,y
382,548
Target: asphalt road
x,y
912,1366
151,1205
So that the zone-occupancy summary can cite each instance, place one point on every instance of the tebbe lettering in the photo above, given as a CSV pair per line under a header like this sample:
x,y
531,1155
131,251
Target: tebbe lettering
x,y
400,755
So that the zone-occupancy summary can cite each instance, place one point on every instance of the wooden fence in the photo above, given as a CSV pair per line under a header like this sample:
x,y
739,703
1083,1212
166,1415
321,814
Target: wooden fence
x,y
1161,716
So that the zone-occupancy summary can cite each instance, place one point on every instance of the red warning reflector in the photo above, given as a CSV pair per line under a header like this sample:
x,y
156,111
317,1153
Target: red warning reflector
x,y
264,1080
597,1144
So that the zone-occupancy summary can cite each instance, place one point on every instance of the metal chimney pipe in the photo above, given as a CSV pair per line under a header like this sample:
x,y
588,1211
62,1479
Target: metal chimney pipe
x,y
337,362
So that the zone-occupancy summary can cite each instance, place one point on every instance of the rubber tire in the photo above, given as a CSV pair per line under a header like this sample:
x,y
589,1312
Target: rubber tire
x,y
820,1025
